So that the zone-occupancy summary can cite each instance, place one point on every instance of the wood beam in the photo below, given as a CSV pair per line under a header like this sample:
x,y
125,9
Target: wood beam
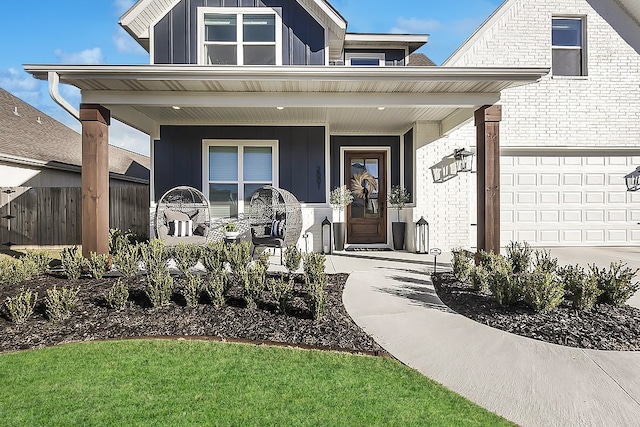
x,y
487,121
95,121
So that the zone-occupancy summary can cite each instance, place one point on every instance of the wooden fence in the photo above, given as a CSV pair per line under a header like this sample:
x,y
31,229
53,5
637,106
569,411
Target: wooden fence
x,y
51,216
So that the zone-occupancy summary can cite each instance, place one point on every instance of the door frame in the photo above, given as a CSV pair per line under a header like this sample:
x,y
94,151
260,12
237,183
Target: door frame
x,y
371,148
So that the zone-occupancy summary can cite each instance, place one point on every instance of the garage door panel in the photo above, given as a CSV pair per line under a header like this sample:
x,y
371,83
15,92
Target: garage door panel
x,y
572,200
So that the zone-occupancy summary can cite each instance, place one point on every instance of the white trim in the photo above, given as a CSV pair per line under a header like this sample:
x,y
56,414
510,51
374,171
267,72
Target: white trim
x,y
632,150
240,12
582,48
240,143
152,170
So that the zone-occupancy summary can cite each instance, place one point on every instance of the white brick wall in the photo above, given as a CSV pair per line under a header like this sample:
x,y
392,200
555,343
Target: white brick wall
x,y
601,109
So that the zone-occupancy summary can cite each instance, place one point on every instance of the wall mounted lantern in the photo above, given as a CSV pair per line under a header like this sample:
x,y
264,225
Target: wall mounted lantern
x,y
422,236
464,159
444,170
326,236
633,180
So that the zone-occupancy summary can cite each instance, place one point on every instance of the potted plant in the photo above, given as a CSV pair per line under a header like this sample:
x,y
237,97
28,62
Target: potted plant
x,y
231,231
339,199
398,198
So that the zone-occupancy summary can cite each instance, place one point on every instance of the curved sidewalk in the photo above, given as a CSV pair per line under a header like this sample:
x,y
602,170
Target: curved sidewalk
x,y
529,382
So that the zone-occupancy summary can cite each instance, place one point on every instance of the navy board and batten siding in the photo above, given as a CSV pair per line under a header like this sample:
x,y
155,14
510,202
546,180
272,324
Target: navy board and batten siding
x,y
301,156
176,34
408,164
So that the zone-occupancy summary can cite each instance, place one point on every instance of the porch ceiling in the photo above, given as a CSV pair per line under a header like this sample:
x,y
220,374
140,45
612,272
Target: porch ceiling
x,y
346,98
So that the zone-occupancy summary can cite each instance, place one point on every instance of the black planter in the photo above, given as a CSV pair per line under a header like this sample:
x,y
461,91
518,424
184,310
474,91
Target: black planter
x,y
398,229
338,235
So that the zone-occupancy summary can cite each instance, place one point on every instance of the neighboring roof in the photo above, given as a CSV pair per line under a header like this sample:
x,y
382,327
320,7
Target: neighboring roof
x,y
377,41
32,137
420,60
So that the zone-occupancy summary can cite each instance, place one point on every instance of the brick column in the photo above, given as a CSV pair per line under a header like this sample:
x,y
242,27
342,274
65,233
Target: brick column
x,y
487,121
95,178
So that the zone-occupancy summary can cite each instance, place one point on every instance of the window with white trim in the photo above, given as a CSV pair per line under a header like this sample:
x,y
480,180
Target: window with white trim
x,y
240,36
568,50
234,170
357,59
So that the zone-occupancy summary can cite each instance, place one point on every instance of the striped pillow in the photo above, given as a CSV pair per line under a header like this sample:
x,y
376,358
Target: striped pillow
x,y
277,228
179,228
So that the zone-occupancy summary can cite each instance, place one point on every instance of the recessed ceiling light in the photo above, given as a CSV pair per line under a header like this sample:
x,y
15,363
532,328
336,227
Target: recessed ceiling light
x,y
280,108
175,107
381,108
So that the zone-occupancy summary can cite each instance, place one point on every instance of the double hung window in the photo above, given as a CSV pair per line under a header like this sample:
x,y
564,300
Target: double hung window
x,y
236,169
568,47
235,36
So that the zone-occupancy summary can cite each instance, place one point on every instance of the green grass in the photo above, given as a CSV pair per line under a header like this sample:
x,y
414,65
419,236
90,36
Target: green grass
x,y
177,383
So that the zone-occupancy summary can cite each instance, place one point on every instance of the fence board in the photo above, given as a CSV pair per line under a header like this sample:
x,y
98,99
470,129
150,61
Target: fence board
x,y
53,216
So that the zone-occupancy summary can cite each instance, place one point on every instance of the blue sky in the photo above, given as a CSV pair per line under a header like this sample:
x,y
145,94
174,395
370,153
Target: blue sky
x,y
87,32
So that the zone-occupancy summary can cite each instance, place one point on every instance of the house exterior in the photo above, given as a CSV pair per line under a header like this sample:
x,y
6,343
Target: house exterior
x,y
568,140
38,151
239,94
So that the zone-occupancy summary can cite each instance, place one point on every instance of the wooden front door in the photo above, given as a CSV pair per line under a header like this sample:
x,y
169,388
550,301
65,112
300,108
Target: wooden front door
x,y
366,176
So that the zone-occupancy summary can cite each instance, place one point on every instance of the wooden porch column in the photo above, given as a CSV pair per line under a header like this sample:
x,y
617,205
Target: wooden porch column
x,y
95,178
487,121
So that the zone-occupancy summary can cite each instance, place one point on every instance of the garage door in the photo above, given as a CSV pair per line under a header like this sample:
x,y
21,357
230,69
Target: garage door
x,y
569,200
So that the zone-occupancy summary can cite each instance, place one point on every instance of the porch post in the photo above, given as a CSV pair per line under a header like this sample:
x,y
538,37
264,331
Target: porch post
x,y
95,121
487,121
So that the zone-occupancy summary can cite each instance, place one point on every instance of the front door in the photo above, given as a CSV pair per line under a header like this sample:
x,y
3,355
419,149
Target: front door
x,y
365,175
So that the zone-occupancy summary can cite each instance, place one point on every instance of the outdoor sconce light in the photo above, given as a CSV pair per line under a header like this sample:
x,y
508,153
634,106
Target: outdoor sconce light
x,y
464,159
326,236
633,180
422,236
444,170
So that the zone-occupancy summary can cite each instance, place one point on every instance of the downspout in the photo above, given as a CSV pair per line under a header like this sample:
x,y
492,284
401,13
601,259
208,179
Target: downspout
x,y
54,84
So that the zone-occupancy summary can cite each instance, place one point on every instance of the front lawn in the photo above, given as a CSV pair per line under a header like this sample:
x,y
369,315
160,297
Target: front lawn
x,y
138,382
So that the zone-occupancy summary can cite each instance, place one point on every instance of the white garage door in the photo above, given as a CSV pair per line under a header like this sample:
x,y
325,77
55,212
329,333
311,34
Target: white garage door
x,y
569,200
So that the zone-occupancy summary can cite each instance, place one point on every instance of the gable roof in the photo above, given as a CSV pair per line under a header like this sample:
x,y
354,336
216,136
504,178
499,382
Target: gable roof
x,y
30,136
418,59
142,15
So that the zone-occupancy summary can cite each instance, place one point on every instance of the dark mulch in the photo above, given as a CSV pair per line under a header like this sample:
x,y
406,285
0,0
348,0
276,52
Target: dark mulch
x,y
605,327
93,320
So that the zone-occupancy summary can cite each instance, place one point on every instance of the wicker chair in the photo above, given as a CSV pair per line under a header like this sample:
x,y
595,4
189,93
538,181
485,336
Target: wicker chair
x,y
275,217
183,204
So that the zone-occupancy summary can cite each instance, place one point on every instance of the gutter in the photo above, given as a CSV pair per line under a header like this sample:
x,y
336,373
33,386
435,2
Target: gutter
x,y
54,84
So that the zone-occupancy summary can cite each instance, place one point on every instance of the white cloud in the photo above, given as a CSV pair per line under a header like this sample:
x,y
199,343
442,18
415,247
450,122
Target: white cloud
x,y
123,5
126,137
70,93
21,84
87,56
126,44
416,26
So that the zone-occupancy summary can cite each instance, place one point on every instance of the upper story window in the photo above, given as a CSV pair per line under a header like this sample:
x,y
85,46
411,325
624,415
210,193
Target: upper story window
x,y
357,59
568,47
240,36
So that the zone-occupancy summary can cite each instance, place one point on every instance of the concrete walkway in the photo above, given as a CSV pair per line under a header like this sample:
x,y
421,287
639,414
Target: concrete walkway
x,y
531,383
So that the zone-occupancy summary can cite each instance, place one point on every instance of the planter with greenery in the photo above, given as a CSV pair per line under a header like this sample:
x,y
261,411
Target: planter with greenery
x,y
397,199
339,199
231,231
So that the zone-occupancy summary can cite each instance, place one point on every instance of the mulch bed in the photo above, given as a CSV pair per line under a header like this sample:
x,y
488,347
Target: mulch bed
x,y
605,327
93,320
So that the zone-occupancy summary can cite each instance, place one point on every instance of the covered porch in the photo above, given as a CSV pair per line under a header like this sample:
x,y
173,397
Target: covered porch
x,y
180,107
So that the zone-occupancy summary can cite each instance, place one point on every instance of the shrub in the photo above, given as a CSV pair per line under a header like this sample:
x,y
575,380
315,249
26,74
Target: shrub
x,y
118,295
292,258
186,256
252,278
73,262
127,259
156,257
40,258
314,268
263,258
544,262
190,288
503,283
59,303
98,264
317,299
118,240
238,255
20,307
14,271
281,291
519,254
159,289
480,277
489,260
583,288
213,256
462,264
215,286
543,292
615,283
